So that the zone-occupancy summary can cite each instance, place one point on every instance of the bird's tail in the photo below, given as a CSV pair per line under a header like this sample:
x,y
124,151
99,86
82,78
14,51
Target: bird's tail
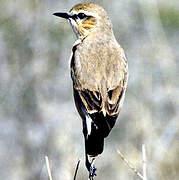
x,y
94,144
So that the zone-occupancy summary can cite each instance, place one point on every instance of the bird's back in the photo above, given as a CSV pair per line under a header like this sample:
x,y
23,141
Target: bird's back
x,y
101,67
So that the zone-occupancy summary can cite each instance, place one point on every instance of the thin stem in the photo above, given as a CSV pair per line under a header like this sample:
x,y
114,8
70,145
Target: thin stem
x,y
76,170
48,168
144,164
130,165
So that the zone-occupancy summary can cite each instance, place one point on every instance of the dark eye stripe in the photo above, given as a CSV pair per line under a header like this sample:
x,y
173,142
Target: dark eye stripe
x,y
74,16
80,16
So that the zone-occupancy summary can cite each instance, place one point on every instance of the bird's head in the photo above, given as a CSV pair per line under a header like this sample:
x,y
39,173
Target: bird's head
x,y
86,18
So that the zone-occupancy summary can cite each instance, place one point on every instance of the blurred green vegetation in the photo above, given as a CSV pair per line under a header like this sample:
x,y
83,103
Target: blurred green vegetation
x,y
169,18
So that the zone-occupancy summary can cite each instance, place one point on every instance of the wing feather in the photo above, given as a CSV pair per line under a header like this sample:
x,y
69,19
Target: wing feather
x,y
91,101
94,99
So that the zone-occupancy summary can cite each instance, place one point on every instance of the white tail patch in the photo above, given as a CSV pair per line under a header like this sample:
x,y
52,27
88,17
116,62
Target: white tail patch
x,y
89,124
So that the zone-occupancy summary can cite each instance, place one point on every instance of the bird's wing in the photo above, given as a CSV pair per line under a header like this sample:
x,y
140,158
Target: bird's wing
x,y
94,103
115,100
117,83
91,99
94,99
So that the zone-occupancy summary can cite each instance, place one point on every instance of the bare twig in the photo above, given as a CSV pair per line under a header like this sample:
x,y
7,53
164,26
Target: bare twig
x,y
144,164
76,170
48,167
130,165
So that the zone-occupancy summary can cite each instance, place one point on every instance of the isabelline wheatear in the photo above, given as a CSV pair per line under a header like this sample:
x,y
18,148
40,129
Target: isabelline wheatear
x,y
99,72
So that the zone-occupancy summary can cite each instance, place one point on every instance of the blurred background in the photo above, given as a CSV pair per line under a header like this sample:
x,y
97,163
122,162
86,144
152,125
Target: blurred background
x,y
37,112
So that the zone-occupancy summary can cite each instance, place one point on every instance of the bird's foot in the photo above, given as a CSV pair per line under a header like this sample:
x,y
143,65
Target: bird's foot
x,y
92,171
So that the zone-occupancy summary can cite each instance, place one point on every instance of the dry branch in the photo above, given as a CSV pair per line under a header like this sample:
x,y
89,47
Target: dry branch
x,y
76,170
144,164
48,168
130,165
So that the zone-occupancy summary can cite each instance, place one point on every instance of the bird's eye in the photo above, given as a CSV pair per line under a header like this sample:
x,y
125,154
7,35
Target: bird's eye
x,y
81,15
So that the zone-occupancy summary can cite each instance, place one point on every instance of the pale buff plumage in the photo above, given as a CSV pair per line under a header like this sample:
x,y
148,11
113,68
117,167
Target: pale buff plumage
x,y
99,72
100,63
100,69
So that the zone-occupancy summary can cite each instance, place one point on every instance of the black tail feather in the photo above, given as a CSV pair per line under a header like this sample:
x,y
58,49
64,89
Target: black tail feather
x,y
94,144
101,127
104,123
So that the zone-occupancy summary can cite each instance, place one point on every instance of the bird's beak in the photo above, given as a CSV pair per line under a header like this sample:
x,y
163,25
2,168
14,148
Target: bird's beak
x,y
62,15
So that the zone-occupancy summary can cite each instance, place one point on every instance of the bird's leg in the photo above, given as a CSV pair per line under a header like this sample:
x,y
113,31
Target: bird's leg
x,y
93,168
90,166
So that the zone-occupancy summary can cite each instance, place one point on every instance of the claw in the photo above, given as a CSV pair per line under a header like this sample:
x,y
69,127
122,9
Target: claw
x,y
92,171
90,166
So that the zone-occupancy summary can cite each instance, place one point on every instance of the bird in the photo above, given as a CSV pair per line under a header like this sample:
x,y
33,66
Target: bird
x,y
99,72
